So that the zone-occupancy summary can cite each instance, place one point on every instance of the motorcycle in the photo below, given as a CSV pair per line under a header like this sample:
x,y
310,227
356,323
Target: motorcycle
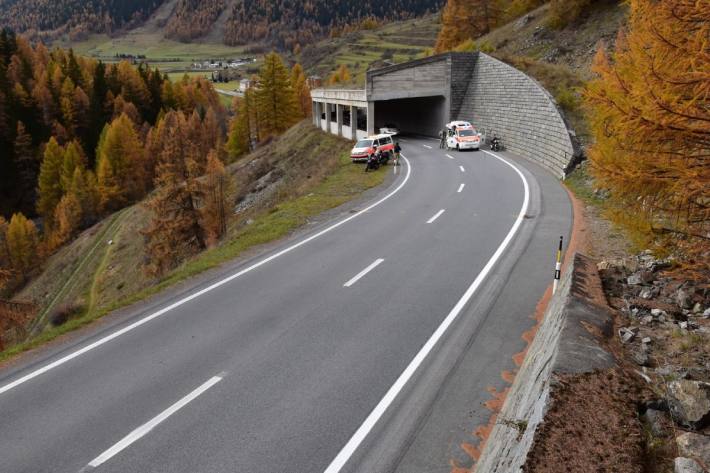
x,y
373,163
496,144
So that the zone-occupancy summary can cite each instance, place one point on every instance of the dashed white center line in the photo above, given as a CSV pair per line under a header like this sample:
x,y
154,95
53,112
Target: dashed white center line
x,y
461,187
427,146
449,156
148,426
462,169
363,272
437,215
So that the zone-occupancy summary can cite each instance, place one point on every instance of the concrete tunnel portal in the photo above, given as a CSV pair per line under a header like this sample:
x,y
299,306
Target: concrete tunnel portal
x,y
414,115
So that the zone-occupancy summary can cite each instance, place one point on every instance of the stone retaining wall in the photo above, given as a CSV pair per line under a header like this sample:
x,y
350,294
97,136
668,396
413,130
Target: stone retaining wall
x,y
564,344
506,102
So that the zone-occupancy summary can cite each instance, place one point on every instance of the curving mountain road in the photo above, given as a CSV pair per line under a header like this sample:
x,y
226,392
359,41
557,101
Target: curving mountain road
x,y
339,350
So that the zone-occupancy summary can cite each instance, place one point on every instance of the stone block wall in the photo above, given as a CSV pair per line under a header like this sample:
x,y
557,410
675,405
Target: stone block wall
x,y
504,101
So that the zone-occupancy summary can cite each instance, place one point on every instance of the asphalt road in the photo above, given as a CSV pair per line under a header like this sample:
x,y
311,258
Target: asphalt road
x,y
329,352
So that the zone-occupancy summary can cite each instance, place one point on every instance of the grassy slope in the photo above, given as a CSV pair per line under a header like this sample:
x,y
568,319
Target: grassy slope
x,y
400,42
314,175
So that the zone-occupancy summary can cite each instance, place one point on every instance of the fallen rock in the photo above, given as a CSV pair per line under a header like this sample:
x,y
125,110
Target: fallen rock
x,y
695,446
640,277
640,355
697,308
657,422
648,293
686,465
627,334
689,402
684,299
706,314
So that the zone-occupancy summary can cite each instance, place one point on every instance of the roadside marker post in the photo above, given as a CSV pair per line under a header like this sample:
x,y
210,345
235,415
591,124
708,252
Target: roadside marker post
x,y
558,267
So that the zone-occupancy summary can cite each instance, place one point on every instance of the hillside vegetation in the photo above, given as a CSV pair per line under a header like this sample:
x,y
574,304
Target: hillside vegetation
x,y
275,190
74,17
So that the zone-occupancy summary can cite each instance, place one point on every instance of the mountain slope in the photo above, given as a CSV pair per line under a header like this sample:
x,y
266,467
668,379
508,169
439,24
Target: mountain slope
x,y
76,17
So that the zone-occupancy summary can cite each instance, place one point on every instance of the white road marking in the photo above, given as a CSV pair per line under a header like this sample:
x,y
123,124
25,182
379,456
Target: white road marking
x,y
461,187
449,156
359,275
437,215
154,315
148,426
427,146
361,433
462,169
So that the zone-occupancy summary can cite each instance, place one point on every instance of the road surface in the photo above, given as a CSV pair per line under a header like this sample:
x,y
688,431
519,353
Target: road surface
x,y
329,352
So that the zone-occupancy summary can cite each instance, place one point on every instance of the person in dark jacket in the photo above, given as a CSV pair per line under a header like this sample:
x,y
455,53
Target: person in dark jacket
x,y
397,151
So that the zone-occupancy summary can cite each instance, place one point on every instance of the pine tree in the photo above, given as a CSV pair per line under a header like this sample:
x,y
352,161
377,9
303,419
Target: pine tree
x,y
84,188
274,97
5,265
68,217
650,116
73,159
240,135
26,163
22,244
301,91
50,183
175,231
120,165
216,189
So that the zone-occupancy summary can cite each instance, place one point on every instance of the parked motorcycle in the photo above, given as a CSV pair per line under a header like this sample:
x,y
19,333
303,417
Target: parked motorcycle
x,y
496,144
373,163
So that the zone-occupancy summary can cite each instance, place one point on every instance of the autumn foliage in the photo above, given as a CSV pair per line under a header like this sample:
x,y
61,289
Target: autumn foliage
x,y
650,113
280,99
463,20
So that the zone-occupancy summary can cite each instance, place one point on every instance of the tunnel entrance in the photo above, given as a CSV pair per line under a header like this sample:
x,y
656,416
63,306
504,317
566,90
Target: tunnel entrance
x,y
417,115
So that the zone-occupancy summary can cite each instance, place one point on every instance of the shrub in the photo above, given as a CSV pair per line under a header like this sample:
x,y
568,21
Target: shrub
x,y
64,312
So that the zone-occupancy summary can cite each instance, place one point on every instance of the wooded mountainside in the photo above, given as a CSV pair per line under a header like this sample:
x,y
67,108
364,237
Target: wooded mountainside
x,y
278,23
285,24
74,16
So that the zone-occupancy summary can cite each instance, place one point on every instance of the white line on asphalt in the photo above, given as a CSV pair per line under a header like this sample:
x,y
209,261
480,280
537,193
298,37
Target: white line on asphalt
x,y
427,146
461,187
449,156
347,451
436,215
201,292
363,272
462,169
148,426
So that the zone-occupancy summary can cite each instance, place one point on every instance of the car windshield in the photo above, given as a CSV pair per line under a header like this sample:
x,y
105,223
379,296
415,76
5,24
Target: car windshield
x,y
385,141
467,133
364,144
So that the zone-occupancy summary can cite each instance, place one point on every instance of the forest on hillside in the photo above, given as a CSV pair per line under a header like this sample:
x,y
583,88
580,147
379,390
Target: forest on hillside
x,y
75,17
286,24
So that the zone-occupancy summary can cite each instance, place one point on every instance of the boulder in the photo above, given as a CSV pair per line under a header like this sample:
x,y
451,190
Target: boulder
x,y
686,465
684,298
689,402
640,277
657,422
695,446
627,334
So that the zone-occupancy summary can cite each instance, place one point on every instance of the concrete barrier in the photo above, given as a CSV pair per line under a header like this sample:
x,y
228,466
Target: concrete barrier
x,y
563,344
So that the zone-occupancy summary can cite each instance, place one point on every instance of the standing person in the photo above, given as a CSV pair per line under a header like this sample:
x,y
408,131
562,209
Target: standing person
x,y
442,139
397,151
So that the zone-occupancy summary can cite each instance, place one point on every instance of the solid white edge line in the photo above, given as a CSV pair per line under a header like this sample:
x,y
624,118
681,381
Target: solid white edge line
x,y
427,146
197,294
462,169
141,431
461,187
436,215
347,451
359,275
449,156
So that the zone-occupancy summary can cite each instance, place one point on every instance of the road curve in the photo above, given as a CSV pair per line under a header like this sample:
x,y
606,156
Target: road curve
x,y
278,369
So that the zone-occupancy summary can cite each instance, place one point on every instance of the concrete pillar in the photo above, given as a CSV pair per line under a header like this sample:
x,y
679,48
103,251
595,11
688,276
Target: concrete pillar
x,y
353,122
315,114
370,118
326,112
339,118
